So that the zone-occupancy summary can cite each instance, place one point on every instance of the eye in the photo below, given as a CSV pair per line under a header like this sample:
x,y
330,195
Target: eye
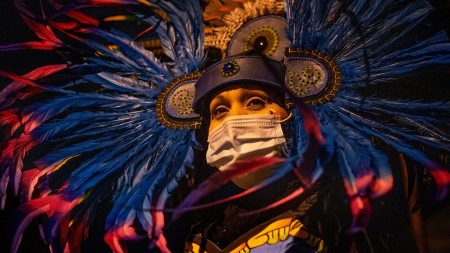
x,y
256,103
219,111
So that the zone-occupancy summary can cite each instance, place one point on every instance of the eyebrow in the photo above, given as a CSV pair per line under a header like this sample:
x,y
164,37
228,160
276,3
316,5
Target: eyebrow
x,y
250,93
245,95
218,100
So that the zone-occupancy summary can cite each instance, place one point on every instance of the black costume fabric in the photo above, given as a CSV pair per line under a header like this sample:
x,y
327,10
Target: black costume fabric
x,y
323,210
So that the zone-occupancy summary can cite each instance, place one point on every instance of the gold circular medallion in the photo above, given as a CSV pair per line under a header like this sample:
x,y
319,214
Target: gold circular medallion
x,y
264,40
174,105
312,75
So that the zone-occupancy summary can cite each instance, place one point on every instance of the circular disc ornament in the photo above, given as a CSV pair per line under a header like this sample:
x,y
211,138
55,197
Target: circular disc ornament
x,y
266,34
174,105
311,75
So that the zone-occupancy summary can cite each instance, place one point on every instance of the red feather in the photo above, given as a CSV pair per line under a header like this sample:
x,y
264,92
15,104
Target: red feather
x,y
80,231
279,202
28,182
161,243
11,118
64,25
29,77
18,90
29,211
17,78
83,18
34,45
216,202
14,152
360,207
380,186
77,15
222,177
158,236
315,142
41,30
361,210
442,179
53,205
114,237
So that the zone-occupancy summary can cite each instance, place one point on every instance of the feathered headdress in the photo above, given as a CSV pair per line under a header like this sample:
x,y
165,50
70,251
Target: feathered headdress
x,y
114,124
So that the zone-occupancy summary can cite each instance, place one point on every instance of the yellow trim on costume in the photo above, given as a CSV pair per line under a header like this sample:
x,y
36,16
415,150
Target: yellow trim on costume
x,y
274,233
193,248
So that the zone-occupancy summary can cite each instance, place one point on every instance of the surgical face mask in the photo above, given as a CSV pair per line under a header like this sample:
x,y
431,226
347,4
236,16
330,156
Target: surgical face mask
x,y
245,136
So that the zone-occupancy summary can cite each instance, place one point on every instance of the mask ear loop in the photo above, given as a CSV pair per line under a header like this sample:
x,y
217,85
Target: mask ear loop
x,y
286,119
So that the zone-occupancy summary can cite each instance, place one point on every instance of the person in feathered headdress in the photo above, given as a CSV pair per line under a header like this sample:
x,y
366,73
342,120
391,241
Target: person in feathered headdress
x,y
284,116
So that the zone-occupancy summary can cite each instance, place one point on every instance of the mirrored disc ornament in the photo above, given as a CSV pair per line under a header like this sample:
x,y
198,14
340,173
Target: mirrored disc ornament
x,y
174,105
311,75
266,34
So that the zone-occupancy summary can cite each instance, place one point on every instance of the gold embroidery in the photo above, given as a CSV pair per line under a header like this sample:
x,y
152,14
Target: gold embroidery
x,y
277,232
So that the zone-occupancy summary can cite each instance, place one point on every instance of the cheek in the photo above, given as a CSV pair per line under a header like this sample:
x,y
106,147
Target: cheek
x,y
213,124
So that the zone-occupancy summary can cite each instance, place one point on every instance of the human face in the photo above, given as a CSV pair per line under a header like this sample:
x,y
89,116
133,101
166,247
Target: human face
x,y
237,100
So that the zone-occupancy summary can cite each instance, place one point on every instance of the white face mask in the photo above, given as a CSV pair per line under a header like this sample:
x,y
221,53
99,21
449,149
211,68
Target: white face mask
x,y
245,136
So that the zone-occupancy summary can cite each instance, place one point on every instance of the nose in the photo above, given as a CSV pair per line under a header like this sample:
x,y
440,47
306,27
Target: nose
x,y
237,109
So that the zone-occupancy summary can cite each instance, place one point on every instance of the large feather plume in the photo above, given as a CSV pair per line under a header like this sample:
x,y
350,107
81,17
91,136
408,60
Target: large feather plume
x,y
94,130
369,40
